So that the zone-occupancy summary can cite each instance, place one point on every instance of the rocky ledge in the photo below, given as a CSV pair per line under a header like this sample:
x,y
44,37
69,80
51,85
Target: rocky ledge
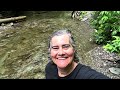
x,y
104,62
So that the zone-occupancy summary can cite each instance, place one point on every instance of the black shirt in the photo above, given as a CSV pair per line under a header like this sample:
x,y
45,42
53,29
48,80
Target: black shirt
x,y
80,72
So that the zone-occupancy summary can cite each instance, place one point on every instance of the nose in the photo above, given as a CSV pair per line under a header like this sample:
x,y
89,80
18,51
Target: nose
x,y
61,52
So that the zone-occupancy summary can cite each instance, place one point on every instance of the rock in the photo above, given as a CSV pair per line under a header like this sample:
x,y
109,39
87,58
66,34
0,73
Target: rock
x,y
105,62
115,70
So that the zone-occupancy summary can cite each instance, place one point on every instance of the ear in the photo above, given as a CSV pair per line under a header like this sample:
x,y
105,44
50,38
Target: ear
x,y
74,50
49,50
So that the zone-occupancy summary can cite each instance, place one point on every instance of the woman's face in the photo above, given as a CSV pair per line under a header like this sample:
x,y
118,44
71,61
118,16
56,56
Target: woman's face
x,y
62,52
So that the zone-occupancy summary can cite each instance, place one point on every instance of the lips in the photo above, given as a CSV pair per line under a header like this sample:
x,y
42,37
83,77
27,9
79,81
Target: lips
x,y
62,58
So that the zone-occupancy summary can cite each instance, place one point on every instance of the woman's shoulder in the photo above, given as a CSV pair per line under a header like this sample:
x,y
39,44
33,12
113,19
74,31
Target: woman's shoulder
x,y
86,72
51,71
50,66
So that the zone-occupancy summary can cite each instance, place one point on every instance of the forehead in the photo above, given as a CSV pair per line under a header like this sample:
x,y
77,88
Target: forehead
x,y
62,39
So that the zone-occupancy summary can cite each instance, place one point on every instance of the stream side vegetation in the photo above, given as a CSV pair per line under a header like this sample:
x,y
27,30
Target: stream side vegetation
x,y
107,29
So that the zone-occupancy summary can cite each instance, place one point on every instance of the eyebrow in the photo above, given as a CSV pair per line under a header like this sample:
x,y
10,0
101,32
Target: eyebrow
x,y
66,45
54,46
62,45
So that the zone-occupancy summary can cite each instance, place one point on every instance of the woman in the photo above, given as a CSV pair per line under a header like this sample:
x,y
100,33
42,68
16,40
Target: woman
x,y
64,63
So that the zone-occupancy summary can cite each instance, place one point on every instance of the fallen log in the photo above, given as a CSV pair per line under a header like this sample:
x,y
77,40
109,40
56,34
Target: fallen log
x,y
12,19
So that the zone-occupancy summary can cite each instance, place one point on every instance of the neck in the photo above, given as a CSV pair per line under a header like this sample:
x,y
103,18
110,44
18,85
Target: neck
x,y
66,71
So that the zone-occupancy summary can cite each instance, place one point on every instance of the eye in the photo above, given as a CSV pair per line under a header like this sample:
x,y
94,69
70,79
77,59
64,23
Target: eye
x,y
66,46
55,47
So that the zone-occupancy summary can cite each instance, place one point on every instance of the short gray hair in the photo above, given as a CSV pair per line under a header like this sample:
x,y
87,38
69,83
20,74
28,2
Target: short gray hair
x,y
62,32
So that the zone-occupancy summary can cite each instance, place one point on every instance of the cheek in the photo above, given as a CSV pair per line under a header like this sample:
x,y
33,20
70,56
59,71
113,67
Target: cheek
x,y
53,54
71,52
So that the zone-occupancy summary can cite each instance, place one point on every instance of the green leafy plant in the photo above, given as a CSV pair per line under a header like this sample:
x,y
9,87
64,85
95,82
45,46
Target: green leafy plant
x,y
107,29
106,24
114,45
82,13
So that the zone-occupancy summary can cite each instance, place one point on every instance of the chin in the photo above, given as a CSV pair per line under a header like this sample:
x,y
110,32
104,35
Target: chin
x,y
62,65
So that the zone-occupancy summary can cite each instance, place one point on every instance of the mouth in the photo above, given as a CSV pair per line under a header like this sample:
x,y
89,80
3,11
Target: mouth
x,y
62,58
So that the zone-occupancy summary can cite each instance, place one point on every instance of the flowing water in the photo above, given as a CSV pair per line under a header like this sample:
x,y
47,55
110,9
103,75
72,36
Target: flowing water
x,y
24,47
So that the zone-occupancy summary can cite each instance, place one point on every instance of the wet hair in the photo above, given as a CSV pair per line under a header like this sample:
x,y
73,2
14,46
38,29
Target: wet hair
x,y
72,42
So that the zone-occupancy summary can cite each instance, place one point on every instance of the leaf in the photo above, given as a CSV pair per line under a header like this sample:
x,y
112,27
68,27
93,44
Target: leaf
x,y
119,28
114,33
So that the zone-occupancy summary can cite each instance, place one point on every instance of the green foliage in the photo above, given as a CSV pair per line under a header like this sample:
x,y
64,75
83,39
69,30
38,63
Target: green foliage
x,y
114,45
107,25
82,13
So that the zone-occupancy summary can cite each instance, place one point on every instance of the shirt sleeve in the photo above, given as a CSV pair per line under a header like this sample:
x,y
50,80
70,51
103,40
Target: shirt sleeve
x,y
86,72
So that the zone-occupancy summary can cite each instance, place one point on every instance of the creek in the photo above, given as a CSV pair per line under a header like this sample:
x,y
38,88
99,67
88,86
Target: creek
x,y
24,46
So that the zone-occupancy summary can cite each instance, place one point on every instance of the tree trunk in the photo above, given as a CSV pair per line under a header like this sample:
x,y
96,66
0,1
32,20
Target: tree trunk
x,y
12,19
